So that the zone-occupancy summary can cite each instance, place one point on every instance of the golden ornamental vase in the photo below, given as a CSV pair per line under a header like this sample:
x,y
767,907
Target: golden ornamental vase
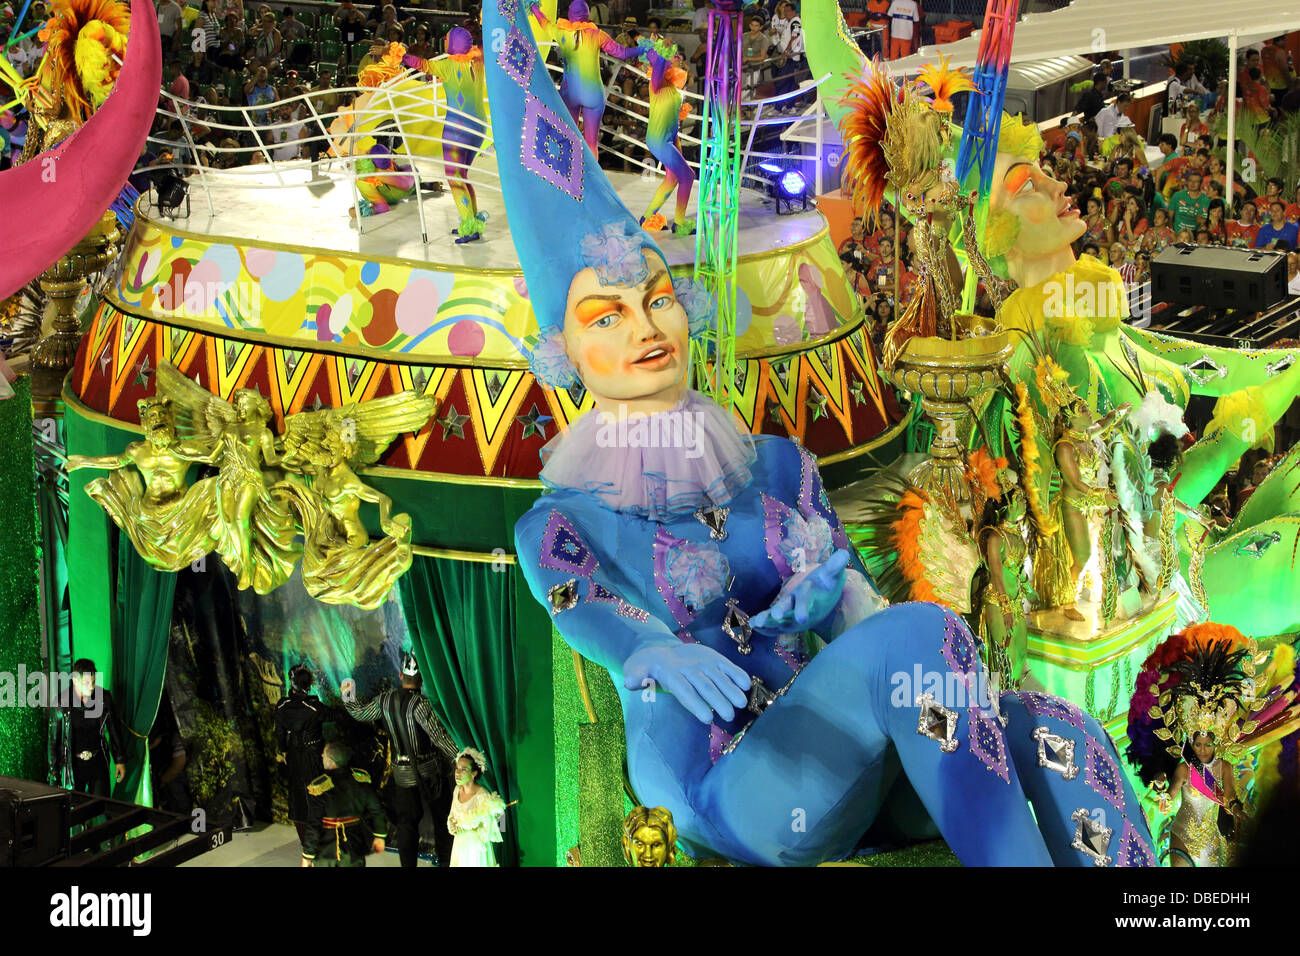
x,y
62,283
949,374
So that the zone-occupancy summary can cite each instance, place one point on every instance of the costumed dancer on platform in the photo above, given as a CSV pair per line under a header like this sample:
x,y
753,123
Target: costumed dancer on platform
x,y
580,43
460,72
475,810
666,114
381,179
346,821
1204,701
300,733
694,579
419,747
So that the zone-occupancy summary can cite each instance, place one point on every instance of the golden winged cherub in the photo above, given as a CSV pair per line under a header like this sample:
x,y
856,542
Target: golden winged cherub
x,y
254,528
171,524
322,448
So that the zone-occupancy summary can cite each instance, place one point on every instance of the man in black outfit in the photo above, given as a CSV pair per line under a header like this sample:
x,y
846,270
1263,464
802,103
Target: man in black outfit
x,y
423,754
1092,101
300,732
93,734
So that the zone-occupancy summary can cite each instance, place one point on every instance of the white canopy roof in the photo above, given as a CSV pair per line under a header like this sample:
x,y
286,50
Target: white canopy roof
x,y
1087,26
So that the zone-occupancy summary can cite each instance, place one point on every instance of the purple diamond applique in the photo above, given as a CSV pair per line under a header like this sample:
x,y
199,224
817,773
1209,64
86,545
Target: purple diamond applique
x,y
598,592
508,9
718,741
564,551
517,56
987,743
552,148
1102,774
1045,705
1133,850
958,647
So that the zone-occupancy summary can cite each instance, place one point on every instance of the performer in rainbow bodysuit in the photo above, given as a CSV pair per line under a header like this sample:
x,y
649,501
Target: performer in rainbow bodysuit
x,y
693,572
461,73
381,181
666,114
580,43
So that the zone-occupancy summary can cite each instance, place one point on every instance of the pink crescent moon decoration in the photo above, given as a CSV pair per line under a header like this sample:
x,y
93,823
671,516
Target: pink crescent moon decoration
x,y
68,188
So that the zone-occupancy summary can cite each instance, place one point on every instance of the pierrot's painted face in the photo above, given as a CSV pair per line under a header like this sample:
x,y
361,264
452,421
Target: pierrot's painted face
x,y
628,342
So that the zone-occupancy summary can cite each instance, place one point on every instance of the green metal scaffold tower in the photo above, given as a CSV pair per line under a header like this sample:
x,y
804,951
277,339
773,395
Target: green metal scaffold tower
x,y
716,239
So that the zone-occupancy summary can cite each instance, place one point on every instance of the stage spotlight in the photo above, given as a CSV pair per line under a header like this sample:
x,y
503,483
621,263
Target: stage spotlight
x,y
773,170
791,193
172,190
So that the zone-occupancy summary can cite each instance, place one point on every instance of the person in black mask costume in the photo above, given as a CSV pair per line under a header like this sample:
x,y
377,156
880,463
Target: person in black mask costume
x,y
300,732
423,753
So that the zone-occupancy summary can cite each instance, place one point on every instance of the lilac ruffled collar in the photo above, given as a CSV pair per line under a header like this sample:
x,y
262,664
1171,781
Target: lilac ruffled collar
x,y
659,466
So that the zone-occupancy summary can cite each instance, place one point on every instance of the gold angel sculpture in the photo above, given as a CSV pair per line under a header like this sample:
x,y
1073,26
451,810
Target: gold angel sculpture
x,y
321,449
171,524
267,492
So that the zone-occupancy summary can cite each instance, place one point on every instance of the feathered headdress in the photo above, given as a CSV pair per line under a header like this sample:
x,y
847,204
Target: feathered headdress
x,y
1207,679
944,83
86,42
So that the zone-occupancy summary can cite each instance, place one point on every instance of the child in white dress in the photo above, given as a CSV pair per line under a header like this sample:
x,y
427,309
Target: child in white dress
x,y
474,813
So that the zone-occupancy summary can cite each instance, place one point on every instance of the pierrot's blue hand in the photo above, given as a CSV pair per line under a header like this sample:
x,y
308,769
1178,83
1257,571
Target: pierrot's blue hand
x,y
702,680
805,602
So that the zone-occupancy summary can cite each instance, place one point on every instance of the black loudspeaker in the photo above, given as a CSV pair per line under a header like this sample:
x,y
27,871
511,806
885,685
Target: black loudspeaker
x,y
1219,277
34,828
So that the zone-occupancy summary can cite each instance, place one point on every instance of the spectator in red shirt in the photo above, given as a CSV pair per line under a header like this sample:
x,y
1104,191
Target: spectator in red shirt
x,y
1160,233
177,83
1215,224
1242,232
1130,223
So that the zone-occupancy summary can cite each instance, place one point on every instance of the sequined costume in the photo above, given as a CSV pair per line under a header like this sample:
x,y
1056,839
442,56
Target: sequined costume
x,y
1196,825
580,43
1005,649
824,739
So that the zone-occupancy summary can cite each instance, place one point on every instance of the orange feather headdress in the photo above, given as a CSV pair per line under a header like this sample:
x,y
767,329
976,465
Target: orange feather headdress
x,y
86,41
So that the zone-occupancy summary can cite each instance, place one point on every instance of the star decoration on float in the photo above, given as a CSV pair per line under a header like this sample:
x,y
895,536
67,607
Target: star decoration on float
x,y
534,422
775,414
143,372
105,360
1257,544
453,423
858,393
817,402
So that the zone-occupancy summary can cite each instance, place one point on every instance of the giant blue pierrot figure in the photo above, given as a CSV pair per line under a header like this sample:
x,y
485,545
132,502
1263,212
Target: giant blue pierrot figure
x,y
701,566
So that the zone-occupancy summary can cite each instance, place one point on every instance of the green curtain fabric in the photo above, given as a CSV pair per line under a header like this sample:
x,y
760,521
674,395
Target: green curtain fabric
x,y
462,623
144,616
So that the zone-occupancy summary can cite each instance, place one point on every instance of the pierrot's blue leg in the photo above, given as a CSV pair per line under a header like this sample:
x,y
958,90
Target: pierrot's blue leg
x,y
808,777
1086,809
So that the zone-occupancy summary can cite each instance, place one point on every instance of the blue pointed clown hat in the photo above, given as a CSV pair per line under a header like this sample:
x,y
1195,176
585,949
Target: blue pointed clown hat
x,y
564,214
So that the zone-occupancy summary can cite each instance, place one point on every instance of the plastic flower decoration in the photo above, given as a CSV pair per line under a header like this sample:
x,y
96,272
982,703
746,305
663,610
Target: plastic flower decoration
x,y
700,308
944,83
616,255
697,573
549,360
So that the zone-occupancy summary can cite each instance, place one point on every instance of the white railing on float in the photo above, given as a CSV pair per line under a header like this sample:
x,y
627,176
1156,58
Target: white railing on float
x,y
243,165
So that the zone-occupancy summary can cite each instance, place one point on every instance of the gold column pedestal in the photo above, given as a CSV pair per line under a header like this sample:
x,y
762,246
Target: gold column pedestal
x,y
948,374
54,354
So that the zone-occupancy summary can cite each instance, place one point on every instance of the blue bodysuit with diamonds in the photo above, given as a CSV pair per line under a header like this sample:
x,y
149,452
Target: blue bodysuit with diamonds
x,y
878,727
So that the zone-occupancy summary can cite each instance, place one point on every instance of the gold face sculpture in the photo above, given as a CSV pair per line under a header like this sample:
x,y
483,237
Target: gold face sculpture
x,y
649,837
